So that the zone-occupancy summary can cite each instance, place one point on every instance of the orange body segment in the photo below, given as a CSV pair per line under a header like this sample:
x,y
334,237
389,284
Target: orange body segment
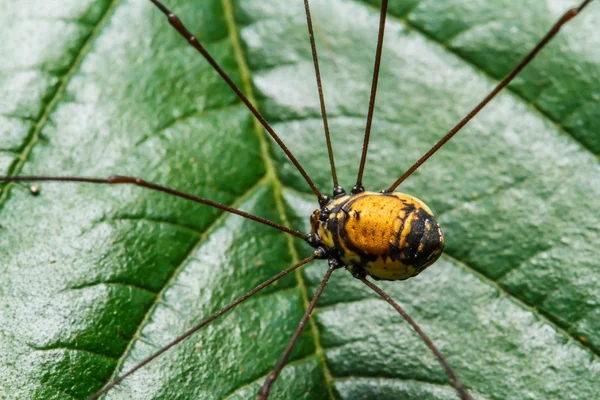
x,y
392,236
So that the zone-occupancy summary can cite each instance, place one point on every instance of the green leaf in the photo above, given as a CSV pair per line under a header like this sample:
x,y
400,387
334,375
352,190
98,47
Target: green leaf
x,y
94,279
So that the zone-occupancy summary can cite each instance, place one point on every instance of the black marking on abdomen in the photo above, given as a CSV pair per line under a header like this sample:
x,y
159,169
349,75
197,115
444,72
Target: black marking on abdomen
x,y
419,234
394,254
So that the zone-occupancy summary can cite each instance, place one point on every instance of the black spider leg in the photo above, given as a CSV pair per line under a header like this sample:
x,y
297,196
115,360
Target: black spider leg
x,y
359,187
129,180
336,187
196,328
263,394
458,386
567,16
193,41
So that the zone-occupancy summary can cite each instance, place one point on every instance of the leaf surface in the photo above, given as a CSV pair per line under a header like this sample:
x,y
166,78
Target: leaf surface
x,y
94,279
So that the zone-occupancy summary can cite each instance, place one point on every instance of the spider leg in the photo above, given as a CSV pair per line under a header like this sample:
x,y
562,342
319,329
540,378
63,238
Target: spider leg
x,y
566,17
363,159
193,41
263,394
129,180
336,187
458,386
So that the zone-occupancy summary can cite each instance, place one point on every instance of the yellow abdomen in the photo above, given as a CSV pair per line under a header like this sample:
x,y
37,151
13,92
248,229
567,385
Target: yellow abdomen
x,y
392,236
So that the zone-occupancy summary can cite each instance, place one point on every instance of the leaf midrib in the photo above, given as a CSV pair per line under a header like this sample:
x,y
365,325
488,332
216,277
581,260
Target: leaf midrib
x,y
278,185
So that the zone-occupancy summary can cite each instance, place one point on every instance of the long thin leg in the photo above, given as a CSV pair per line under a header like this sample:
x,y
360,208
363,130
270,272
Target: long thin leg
x,y
198,327
567,16
128,180
460,390
311,35
358,187
183,31
263,394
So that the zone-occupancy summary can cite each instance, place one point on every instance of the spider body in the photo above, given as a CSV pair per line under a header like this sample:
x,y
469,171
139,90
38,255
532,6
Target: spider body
x,y
389,236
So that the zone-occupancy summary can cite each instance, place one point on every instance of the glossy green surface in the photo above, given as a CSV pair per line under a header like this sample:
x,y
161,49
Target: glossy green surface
x,y
93,279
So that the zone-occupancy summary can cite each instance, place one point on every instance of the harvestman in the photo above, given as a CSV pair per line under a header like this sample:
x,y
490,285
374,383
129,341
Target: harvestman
x,y
418,240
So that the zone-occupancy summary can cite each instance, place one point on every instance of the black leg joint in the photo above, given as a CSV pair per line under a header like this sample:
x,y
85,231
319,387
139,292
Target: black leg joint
x,y
358,188
312,239
338,191
357,271
325,212
321,253
323,200
335,263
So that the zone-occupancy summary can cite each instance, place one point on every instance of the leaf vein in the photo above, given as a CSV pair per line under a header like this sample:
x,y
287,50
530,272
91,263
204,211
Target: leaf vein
x,y
403,19
547,317
69,348
34,137
557,123
175,273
